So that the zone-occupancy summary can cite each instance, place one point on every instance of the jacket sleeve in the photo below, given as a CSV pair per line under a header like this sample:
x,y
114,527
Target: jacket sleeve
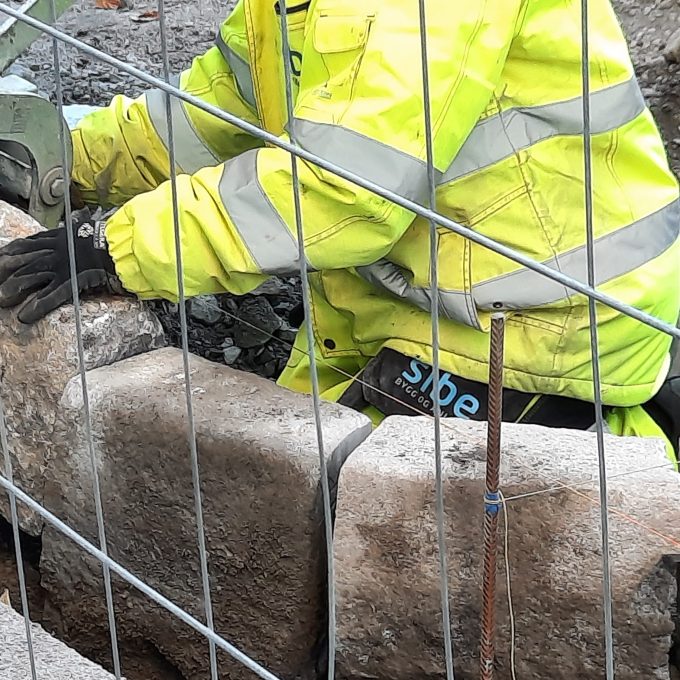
x,y
360,104
122,150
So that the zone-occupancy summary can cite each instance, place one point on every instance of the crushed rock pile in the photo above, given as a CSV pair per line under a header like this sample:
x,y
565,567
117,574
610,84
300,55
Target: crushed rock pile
x,y
253,332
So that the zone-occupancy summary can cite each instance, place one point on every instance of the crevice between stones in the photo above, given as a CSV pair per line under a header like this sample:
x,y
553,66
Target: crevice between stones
x,y
31,546
142,660
333,466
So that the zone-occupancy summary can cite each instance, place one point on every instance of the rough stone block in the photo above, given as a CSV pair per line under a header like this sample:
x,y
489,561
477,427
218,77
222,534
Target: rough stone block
x,y
259,469
53,659
37,361
387,574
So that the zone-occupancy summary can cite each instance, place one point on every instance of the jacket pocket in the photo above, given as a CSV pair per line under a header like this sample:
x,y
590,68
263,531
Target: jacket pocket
x,y
334,47
336,33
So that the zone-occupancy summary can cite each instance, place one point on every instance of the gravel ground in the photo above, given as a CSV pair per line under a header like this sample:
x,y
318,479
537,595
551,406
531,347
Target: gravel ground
x,y
648,26
191,28
252,332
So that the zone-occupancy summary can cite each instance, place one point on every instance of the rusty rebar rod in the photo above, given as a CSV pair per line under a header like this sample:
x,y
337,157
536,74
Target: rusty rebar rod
x,y
492,496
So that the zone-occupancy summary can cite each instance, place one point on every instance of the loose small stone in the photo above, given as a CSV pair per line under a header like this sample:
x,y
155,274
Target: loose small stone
x,y
231,354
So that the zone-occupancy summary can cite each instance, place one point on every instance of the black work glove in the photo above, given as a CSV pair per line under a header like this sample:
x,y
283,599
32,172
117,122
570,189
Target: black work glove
x,y
35,271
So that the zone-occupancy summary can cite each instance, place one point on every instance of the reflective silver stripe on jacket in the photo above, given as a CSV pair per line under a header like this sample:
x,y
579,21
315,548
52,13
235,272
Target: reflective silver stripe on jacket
x,y
191,152
616,254
490,141
262,230
241,70
372,160
500,136
454,304
269,240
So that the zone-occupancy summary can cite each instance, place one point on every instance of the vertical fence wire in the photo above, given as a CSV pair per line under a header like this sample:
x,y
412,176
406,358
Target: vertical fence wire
x,y
195,473
594,346
14,515
316,398
434,320
68,215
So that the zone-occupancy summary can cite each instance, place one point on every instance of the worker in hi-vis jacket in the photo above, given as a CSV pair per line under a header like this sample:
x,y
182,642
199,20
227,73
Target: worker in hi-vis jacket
x,y
506,110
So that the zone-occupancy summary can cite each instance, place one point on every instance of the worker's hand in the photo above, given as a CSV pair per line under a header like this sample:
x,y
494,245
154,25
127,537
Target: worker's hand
x,y
35,271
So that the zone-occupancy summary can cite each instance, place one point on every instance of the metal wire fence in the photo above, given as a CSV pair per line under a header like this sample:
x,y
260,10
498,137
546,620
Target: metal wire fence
x,y
437,221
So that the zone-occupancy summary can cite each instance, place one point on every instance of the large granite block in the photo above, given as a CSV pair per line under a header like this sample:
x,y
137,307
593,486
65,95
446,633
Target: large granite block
x,y
37,361
259,468
53,659
389,615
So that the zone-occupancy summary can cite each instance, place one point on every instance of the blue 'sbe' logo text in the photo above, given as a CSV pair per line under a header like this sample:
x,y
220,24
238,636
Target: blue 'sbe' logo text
x,y
464,405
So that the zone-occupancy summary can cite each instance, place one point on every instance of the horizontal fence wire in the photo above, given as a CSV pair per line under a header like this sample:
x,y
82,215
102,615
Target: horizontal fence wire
x,y
416,208
15,492
588,485
12,489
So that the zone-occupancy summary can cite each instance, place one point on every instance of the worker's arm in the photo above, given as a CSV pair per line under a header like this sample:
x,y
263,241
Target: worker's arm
x,y
122,151
361,105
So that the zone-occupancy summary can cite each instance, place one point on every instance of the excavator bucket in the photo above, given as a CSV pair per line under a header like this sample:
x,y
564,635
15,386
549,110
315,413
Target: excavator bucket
x,y
31,160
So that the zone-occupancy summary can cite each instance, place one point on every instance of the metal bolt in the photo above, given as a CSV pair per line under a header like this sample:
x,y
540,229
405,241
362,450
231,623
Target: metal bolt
x,y
57,188
52,186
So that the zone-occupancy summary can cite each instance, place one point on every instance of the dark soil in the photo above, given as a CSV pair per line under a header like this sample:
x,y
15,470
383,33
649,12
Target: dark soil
x,y
9,579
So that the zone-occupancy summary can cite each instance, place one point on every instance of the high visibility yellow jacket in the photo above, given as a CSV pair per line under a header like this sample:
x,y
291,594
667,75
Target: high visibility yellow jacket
x,y
506,107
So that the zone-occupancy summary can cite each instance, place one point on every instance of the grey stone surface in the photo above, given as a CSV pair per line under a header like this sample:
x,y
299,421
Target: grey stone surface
x,y
15,224
53,659
672,49
387,575
37,361
259,470
206,310
257,321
